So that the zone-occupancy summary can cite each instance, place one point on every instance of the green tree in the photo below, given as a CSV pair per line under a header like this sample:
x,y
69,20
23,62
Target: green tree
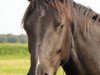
x,y
22,38
3,38
10,38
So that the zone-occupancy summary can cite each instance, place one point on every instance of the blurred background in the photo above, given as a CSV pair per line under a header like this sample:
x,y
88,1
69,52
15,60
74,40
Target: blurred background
x,y
14,56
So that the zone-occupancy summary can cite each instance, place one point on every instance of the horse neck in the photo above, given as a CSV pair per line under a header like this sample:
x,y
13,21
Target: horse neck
x,y
86,39
85,14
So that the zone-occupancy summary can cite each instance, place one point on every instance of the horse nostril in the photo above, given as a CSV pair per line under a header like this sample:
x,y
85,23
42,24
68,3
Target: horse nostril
x,y
45,74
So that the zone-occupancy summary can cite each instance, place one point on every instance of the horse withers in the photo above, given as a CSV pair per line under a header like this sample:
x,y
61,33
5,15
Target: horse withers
x,y
47,25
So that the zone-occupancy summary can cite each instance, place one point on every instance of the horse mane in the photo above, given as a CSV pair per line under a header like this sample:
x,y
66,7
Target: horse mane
x,y
86,12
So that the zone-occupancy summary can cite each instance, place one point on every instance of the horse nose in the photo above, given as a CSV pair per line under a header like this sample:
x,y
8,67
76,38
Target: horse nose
x,y
42,70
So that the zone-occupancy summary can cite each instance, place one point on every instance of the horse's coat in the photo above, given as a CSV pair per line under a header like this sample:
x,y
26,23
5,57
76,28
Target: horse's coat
x,y
57,29
85,56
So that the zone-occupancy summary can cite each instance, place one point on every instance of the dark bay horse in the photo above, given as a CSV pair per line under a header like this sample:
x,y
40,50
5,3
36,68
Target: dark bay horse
x,y
85,55
47,24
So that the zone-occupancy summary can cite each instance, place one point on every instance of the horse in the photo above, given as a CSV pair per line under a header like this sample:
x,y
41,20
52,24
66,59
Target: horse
x,y
84,57
47,24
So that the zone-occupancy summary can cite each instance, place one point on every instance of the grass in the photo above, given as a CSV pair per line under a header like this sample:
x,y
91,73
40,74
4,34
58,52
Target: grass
x,y
14,67
60,71
13,51
14,60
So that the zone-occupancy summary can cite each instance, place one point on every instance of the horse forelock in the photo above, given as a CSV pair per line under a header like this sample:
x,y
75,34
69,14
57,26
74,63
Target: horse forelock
x,y
62,8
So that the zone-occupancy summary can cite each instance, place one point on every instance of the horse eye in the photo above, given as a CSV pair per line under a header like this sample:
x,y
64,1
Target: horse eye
x,y
61,26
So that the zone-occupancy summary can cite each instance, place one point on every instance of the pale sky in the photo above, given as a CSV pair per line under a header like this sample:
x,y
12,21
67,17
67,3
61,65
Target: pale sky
x,y
12,11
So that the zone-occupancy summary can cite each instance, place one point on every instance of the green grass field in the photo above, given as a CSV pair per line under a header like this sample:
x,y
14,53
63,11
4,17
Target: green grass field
x,y
14,60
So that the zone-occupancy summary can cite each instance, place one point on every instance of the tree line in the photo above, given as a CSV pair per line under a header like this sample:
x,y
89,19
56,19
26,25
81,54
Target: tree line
x,y
10,38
